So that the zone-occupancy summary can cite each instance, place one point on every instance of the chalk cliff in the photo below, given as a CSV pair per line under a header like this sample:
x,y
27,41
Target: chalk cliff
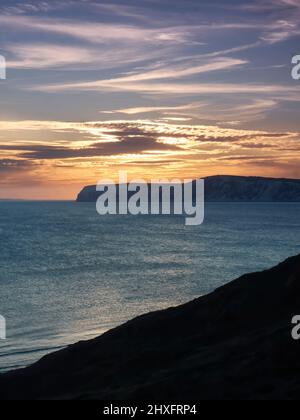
x,y
233,188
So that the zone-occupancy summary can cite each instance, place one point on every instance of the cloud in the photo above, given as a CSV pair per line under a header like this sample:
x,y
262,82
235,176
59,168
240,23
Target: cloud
x,y
140,137
282,31
14,165
271,5
39,56
107,43
15,171
34,7
178,72
152,34
68,57
187,88
127,146
177,80
144,147
232,50
151,109
49,56
130,139
243,110
97,33
252,110
87,44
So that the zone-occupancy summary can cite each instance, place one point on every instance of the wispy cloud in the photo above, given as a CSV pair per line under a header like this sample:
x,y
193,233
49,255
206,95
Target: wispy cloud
x,y
8,166
149,109
191,89
97,32
37,6
135,81
39,56
178,72
53,55
271,5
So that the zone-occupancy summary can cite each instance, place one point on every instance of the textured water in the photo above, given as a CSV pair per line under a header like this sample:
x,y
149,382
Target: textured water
x,y
67,274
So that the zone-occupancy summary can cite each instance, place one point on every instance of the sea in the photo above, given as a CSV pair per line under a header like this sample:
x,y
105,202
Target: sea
x,y
68,274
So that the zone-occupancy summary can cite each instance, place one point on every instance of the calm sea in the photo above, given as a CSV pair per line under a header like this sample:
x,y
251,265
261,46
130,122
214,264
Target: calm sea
x,y
67,274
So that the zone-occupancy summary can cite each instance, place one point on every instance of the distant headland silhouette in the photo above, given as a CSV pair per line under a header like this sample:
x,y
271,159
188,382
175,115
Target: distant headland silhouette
x,y
227,188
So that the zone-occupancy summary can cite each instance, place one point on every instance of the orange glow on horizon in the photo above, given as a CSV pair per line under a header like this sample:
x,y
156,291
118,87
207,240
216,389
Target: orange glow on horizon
x,y
82,154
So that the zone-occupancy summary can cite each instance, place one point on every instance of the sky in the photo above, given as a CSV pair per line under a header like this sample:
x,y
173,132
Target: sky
x,y
162,89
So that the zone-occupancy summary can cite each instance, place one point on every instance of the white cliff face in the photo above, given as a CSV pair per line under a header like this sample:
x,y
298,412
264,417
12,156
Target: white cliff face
x,y
235,189
229,188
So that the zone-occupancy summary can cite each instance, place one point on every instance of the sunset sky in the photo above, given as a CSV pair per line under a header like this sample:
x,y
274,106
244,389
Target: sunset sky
x,y
160,88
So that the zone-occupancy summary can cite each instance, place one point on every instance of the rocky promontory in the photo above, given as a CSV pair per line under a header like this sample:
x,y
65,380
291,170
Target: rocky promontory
x,y
226,188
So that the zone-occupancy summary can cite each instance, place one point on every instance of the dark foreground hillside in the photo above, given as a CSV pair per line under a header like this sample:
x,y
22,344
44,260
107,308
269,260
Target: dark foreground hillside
x,y
232,344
